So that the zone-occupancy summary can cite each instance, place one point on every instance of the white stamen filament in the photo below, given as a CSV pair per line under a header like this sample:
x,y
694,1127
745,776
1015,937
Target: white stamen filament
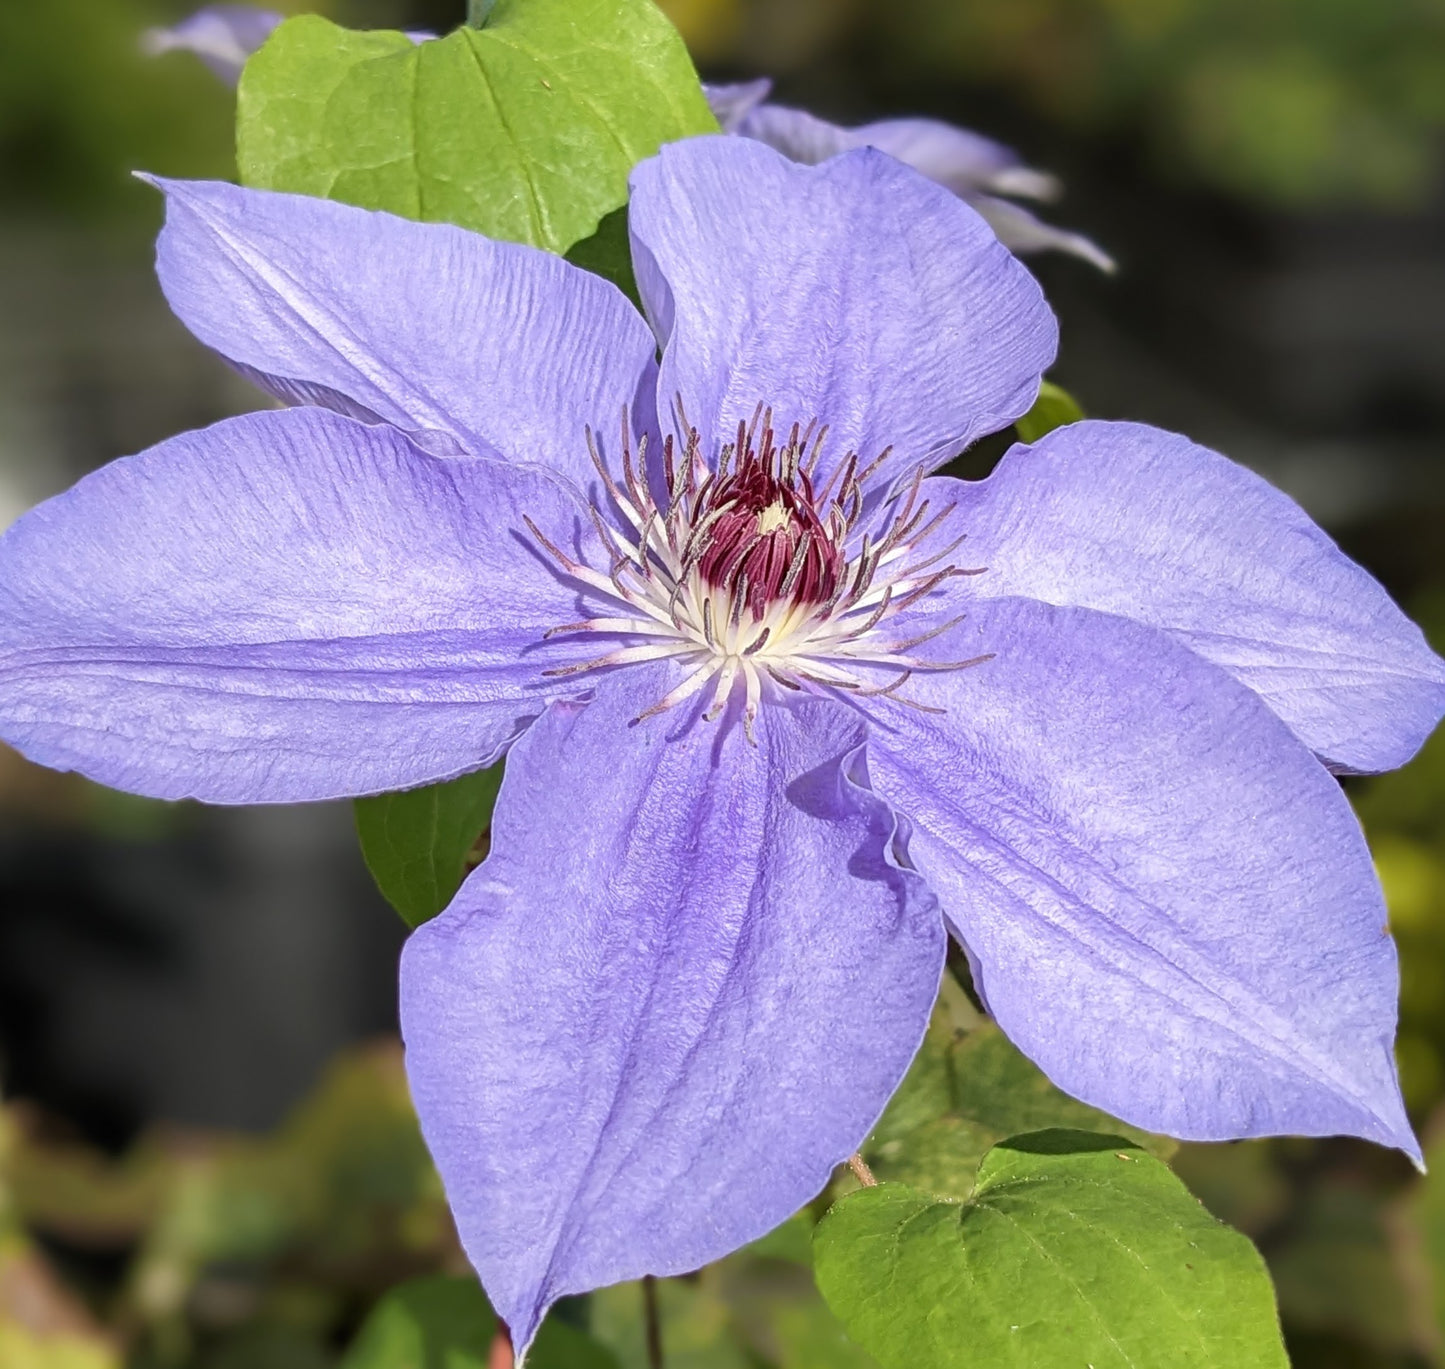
x,y
785,630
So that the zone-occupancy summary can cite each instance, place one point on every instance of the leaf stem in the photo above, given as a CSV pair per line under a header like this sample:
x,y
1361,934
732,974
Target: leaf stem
x,y
861,1172
478,12
654,1321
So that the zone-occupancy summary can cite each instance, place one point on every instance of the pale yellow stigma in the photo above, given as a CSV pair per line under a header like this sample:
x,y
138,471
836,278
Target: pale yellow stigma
x,y
774,518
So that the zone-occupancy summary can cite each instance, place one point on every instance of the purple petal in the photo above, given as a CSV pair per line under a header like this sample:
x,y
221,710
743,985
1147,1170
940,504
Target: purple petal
x,y
222,36
972,166
1144,523
856,293
964,161
510,350
1170,904
678,992
286,606
1021,231
956,158
799,136
731,104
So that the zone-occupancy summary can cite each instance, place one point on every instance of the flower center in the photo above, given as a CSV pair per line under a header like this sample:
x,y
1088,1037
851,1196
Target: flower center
x,y
753,574
764,540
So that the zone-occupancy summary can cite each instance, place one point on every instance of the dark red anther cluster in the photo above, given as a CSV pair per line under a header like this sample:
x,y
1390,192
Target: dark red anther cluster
x,y
765,540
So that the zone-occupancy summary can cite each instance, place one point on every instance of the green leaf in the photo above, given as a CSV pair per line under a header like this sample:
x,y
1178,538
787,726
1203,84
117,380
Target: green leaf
x,y
1074,1250
1054,407
524,130
608,253
968,1088
417,843
439,1322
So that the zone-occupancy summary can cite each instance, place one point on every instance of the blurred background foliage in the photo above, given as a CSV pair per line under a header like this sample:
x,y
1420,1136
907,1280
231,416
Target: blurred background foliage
x,y
187,1183
1288,101
81,105
1291,101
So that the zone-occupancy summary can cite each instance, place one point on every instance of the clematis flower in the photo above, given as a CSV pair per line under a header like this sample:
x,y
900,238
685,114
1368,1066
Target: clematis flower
x,y
975,168
779,706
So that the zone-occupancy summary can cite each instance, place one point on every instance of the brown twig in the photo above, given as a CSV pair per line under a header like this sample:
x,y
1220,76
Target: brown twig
x,y
861,1172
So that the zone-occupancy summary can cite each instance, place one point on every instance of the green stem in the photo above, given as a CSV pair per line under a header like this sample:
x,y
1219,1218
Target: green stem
x,y
478,12
653,1316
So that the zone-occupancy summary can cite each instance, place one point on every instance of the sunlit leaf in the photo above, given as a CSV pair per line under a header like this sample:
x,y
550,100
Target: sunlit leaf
x,y
1074,1249
524,130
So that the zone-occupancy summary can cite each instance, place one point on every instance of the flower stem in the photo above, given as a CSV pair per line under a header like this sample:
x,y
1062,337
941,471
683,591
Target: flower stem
x,y
478,12
861,1172
654,1322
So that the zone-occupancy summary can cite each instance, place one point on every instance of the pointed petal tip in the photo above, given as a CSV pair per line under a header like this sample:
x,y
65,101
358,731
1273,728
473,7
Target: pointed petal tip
x,y
1390,1127
522,1328
1399,1134
620,1134
1383,1119
187,191
1026,183
1310,631
1104,984
1077,245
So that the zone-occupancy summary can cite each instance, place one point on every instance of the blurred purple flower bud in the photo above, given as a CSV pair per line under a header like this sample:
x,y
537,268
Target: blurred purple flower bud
x,y
977,169
224,36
